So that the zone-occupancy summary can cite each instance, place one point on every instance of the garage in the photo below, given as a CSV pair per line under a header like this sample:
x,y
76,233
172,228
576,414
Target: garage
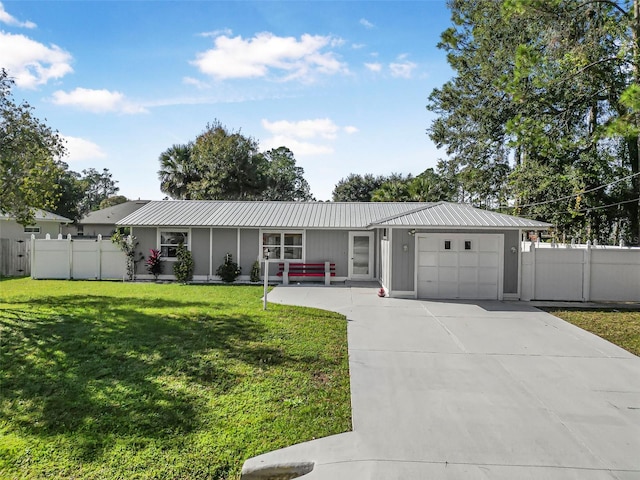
x,y
459,265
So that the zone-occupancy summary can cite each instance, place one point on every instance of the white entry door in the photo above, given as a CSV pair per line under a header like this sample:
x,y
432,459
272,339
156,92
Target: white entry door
x,y
460,266
361,255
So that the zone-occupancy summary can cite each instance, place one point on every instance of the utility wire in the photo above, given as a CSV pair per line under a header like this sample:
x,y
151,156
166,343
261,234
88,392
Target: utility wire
x,y
607,206
576,194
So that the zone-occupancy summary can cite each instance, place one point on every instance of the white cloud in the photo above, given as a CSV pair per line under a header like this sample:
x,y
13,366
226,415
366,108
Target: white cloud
x,y
80,149
97,101
358,46
402,69
195,82
31,63
216,33
350,129
321,127
374,67
366,23
265,53
305,137
9,19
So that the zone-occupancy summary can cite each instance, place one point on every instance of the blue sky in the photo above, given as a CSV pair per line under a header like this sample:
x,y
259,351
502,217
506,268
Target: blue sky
x,y
344,85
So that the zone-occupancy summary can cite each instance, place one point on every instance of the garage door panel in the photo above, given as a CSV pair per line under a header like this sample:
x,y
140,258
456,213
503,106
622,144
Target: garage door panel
x,y
428,244
486,291
488,243
488,275
488,259
428,259
447,289
428,274
468,259
468,274
448,259
468,290
447,274
458,272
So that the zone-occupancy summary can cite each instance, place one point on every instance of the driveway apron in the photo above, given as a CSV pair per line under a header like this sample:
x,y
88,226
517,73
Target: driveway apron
x,y
472,390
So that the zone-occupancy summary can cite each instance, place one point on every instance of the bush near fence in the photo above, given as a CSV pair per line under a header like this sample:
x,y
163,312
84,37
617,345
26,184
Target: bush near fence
x,y
65,258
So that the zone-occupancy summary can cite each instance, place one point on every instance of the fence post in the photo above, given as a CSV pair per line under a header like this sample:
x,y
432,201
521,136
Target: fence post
x,y
533,270
70,249
586,273
33,256
99,255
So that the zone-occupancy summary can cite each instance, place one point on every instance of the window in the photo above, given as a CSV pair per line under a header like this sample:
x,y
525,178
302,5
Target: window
x,y
32,229
169,241
467,244
384,234
282,245
447,244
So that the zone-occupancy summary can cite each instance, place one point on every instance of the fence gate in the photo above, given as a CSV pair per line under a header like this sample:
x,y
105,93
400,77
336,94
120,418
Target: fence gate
x,y
14,257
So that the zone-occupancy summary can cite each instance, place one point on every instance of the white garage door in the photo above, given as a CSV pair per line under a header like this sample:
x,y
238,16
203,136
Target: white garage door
x,y
467,266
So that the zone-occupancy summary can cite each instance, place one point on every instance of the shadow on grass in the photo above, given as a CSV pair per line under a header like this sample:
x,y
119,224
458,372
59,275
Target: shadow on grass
x,y
96,367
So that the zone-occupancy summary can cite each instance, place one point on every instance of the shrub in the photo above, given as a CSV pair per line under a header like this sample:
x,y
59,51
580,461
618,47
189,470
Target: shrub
x,y
183,268
128,244
154,264
229,270
255,272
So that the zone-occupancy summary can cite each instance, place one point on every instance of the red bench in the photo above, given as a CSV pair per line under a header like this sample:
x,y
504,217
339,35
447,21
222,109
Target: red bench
x,y
294,269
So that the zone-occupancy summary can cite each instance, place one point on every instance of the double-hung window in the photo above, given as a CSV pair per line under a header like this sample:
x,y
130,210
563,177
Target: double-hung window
x,y
169,241
282,245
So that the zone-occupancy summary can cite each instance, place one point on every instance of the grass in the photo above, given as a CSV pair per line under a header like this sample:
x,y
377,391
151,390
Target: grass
x,y
143,381
621,327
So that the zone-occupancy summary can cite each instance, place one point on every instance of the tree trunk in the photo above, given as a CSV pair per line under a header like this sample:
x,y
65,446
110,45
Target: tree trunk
x,y
634,147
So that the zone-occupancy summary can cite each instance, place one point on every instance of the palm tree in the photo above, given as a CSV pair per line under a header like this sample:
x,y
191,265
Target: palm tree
x,y
177,171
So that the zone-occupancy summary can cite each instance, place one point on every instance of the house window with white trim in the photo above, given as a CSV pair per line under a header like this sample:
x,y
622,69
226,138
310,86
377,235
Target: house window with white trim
x,y
169,241
32,229
282,245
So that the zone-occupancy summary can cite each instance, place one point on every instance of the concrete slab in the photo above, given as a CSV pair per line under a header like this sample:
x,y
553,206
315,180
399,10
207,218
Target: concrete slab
x,y
486,390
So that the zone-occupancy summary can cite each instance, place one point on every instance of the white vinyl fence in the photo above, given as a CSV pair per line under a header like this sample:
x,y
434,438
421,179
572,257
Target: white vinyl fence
x,y
64,258
580,272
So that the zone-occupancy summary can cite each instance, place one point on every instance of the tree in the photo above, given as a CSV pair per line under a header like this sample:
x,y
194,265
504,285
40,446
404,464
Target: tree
x,y
540,88
29,155
230,165
98,187
112,201
178,171
284,180
225,165
71,191
357,188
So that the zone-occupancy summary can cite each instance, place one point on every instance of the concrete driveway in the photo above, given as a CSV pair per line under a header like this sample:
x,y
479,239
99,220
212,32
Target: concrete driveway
x,y
469,390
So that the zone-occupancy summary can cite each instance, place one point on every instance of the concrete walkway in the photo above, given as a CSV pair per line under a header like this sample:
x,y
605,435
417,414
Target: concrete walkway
x,y
469,390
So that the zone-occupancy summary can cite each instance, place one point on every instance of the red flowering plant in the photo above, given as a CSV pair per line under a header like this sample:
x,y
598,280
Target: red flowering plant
x,y
154,264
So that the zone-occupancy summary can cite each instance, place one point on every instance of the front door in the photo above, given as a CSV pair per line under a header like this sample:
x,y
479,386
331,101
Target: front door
x,y
361,255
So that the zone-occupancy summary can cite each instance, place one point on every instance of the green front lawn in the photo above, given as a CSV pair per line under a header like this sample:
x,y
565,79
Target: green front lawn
x,y
134,381
621,327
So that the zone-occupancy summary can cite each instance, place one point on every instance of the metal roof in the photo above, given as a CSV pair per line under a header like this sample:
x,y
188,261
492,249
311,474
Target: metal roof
x,y
336,215
443,214
110,215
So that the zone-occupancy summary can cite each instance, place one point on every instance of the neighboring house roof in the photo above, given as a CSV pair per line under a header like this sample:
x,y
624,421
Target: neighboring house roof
x,y
111,215
41,216
337,215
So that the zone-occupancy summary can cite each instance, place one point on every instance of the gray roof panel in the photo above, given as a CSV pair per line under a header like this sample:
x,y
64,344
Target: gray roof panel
x,y
352,215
